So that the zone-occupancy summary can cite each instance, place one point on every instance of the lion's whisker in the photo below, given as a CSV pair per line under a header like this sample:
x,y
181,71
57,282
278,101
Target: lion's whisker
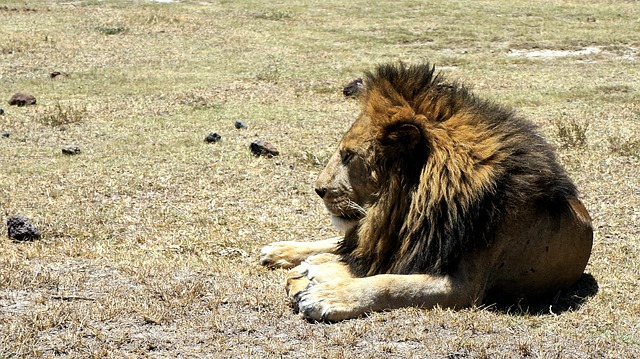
x,y
357,207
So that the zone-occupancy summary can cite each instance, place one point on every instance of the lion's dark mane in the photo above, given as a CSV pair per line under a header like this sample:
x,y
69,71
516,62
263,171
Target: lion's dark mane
x,y
448,191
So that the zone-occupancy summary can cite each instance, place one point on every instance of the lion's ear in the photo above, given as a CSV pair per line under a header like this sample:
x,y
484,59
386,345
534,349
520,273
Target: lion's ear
x,y
401,137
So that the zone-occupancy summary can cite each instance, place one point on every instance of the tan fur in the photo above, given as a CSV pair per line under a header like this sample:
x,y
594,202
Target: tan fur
x,y
444,199
289,254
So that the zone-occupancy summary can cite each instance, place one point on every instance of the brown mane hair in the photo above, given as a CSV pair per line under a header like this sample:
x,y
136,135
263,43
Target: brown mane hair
x,y
449,166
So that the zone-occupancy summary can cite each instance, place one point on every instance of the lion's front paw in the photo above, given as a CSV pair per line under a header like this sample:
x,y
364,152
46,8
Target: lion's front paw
x,y
333,301
297,282
279,255
316,269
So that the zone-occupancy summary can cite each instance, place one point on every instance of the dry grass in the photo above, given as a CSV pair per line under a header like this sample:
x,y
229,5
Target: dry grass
x,y
151,235
571,134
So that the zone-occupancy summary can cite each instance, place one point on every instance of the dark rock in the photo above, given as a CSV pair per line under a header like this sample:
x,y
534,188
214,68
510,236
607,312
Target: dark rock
x,y
22,99
5,134
213,137
353,88
263,148
58,73
1,111
20,229
71,150
240,125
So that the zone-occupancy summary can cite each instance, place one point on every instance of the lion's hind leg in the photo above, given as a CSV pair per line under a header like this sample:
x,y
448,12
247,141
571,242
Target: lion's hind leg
x,y
288,254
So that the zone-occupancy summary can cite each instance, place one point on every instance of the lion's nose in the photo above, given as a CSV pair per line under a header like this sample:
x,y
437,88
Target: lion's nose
x,y
321,192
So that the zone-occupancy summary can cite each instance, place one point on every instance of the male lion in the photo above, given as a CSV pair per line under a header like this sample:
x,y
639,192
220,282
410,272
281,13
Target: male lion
x,y
445,200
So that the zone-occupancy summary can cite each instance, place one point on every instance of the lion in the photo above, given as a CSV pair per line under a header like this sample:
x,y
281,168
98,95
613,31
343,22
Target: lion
x,y
445,200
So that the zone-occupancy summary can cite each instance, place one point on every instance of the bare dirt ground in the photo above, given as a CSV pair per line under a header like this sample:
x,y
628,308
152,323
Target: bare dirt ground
x,y
150,235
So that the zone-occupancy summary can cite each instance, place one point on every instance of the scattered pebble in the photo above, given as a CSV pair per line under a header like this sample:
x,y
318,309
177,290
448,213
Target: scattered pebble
x,y
5,134
71,150
27,9
1,111
55,74
353,88
240,125
22,99
213,137
20,229
263,148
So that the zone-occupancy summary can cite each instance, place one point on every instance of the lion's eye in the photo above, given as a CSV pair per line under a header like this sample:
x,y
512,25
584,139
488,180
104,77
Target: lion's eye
x,y
346,156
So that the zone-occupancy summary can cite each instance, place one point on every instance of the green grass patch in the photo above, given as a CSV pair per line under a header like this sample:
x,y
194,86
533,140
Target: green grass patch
x,y
624,147
59,115
111,30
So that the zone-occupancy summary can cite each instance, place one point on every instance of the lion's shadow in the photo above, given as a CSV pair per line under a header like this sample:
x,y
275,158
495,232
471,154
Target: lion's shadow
x,y
567,300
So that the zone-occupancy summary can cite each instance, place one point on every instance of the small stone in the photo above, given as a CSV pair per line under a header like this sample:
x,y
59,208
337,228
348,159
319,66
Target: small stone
x,y
263,148
71,150
20,229
5,134
21,99
213,137
55,74
1,111
353,88
240,125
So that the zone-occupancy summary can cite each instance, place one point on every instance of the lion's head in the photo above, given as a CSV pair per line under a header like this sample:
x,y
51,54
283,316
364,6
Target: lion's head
x,y
382,138
348,184
428,171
